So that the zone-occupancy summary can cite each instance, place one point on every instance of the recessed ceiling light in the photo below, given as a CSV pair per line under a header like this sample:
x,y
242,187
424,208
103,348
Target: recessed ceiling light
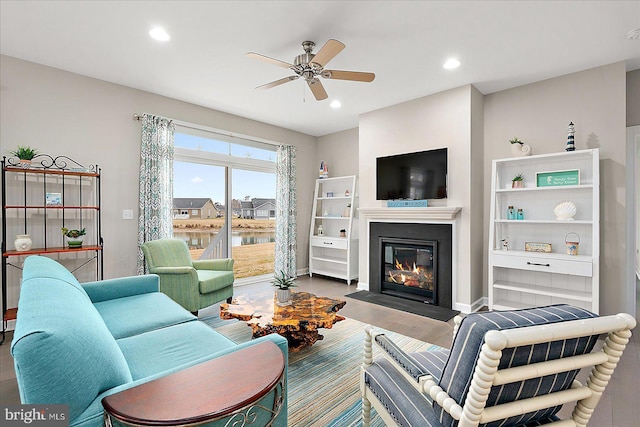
x,y
159,34
335,104
451,64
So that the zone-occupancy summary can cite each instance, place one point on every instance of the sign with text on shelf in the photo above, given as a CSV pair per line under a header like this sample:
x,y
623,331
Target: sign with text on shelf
x,y
406,203
558,178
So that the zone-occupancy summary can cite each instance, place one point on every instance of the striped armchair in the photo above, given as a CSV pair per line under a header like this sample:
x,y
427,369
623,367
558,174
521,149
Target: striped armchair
x,y
505,368
192,284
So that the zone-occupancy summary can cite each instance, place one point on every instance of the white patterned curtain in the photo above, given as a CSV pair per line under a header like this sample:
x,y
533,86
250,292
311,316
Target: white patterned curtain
x,y
156,182
286,210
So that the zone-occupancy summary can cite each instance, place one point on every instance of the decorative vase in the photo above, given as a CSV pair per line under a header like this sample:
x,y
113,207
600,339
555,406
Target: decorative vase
x,y
74,242
24,164
23,242
517,184
520,150
347,212
283,297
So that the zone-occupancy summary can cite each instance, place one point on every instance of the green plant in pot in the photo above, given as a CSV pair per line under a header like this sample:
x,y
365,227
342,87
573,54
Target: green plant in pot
x,y
283,283
74,237
25,154
517,181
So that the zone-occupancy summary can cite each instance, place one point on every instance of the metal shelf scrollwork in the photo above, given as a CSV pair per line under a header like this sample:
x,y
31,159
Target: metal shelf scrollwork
x,y
47,162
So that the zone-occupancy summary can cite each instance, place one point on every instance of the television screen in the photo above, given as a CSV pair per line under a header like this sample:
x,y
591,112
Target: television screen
x,y
413,176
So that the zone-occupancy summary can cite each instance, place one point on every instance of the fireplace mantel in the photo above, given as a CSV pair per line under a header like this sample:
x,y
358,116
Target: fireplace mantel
x,y
428,213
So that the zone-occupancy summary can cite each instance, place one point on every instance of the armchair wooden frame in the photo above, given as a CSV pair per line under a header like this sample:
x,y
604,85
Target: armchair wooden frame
x,y
473,412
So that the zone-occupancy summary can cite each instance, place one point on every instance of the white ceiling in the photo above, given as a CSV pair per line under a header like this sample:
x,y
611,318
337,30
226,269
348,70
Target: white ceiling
x,y
501,44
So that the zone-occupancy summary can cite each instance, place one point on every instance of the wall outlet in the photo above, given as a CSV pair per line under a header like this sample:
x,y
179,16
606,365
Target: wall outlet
x,y
127,214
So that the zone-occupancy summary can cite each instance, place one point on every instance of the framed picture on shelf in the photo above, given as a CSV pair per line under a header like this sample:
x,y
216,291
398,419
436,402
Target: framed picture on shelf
x,y
53,199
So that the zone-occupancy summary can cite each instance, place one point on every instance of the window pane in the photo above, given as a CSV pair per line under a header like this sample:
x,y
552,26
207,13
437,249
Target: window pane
x,y
199,192
253,153
200,143
253,228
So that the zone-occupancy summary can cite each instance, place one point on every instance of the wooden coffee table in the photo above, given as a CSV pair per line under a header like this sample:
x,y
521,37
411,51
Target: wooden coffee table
x,y
298,322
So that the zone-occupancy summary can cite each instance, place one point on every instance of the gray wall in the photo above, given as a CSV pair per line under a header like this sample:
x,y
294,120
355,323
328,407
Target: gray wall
x,y
91,121
538,114
340,150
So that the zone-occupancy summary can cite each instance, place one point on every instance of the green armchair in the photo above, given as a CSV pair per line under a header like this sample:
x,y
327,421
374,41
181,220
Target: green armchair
x,y
194,284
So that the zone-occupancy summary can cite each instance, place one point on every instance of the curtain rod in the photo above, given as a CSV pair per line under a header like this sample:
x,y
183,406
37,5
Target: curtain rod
x,y
138,117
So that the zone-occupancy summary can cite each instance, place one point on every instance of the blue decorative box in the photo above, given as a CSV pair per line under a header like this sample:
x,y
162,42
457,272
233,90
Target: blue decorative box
x,y
406,203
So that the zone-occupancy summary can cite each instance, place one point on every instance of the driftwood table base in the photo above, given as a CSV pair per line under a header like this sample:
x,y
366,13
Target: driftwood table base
x,y
298,322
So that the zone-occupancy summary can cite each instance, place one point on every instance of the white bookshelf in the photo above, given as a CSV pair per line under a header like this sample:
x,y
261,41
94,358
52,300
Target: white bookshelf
x,y
519,278
334,206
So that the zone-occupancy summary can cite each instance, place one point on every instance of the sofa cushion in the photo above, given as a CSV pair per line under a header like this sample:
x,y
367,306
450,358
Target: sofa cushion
x,y
163,349
211,280
141,313
62,350
458,371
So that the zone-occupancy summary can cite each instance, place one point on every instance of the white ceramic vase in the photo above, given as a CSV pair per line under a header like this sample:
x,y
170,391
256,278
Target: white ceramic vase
x,y
520,150
283,297
23,242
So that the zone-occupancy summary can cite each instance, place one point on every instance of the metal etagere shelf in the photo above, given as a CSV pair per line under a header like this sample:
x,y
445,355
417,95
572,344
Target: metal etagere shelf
x,y
27,208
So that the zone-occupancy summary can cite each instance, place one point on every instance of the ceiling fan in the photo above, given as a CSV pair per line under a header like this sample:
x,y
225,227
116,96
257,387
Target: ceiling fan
x,y
309,66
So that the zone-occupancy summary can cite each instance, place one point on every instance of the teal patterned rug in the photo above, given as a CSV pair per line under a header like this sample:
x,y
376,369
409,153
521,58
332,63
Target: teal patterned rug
x,y
324,379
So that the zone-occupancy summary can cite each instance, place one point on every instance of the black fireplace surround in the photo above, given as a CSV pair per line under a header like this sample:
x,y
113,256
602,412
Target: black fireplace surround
x,y
413,233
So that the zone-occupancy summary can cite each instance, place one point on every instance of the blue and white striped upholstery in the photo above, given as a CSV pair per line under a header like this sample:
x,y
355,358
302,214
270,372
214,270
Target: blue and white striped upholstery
x,y
458,371
416,364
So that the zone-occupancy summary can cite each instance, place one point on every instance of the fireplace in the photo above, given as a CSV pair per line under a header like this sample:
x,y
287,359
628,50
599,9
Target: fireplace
x,y
409,268
393,250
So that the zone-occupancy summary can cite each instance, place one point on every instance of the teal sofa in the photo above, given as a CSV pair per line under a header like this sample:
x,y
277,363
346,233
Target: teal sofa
x,y
76,343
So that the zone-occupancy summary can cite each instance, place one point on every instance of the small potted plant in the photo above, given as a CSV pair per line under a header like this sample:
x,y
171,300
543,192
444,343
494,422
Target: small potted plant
x,y
517,181
519,148
74,237
25,155
283,283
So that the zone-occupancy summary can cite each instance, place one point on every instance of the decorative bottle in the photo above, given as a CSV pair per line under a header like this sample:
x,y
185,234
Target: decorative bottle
x,y
520,214
511,213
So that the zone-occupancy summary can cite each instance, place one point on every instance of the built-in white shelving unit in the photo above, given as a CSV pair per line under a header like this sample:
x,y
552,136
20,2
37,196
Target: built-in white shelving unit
x,y
333,240
519,278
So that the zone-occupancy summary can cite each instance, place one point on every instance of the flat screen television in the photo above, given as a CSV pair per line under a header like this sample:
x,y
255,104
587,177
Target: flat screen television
x,y
412,176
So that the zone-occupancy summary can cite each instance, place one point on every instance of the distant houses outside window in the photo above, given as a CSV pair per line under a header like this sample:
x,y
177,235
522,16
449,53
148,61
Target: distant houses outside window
x,y
262,213
194,212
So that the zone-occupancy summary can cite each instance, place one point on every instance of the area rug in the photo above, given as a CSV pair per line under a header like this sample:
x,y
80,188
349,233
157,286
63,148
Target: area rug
x,y
415,307
324,379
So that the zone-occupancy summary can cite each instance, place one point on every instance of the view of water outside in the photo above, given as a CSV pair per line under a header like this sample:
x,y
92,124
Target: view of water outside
x,y
253,193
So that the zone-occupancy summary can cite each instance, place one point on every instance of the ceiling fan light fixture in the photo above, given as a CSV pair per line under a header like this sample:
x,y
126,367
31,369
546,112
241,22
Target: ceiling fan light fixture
x,y
159,33
335,104
451,64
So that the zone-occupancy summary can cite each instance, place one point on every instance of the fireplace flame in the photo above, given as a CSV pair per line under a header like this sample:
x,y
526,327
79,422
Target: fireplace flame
x,y
415,276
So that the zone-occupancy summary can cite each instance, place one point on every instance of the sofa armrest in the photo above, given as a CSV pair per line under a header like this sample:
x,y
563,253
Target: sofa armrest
x,y
121,287
225,264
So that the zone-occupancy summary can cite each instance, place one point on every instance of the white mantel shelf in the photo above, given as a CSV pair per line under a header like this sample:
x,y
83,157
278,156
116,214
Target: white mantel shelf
x,y
428,213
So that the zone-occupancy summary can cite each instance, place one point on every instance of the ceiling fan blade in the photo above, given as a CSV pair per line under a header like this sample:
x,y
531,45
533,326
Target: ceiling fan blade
x,y
317,89
348,75
270,60
330,49
277,82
